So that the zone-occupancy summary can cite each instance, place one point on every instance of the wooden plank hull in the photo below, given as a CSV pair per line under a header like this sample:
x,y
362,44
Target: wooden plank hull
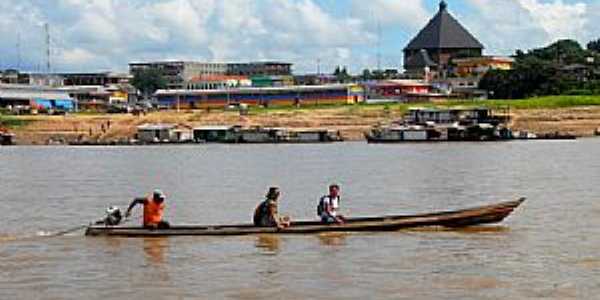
x,y
468,217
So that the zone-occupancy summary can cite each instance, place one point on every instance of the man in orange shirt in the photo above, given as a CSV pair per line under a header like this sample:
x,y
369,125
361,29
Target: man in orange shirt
x,y
154,207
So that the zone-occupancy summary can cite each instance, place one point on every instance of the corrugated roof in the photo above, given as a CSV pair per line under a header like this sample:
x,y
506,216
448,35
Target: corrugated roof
x,y
294,88
25,94
215,127
443,31
157,126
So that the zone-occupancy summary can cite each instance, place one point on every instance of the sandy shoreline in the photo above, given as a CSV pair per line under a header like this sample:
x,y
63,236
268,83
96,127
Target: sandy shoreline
x,y
351,121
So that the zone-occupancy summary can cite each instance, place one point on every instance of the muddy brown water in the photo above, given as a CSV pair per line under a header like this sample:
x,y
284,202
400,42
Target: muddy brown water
x,y
549,248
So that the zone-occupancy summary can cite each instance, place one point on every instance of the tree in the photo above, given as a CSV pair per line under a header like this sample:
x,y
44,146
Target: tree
x,y
378,75
148,81
555,69
594,46
366,74
341,74
561,52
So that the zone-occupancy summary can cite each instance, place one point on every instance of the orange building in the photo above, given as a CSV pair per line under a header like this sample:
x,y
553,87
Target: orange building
x,y
397,89
478,66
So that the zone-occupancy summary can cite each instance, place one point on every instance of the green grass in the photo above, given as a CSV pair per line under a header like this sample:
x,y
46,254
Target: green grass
x,y
13,122
547,102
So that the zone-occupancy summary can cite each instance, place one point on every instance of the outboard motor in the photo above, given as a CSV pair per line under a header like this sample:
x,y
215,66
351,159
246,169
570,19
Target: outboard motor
x,y
113,216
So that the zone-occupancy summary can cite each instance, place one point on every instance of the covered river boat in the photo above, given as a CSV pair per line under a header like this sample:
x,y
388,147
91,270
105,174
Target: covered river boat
x,y
454,219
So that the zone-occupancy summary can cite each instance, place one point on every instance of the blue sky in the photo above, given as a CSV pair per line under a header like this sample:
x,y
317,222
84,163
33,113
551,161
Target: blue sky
x,y
98,35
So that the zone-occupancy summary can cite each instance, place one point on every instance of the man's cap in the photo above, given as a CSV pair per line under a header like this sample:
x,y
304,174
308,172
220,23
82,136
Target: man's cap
x,y
158,194
273,192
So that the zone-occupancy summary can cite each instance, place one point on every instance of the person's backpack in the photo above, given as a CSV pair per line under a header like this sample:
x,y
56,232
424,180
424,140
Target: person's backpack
x,y
321,206
259,212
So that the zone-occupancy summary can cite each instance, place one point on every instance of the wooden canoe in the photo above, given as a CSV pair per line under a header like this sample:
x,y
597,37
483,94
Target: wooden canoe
x,y
461,218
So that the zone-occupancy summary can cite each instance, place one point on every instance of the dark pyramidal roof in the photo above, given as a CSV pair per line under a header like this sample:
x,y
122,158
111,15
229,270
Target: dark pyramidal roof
x,y
419,60
443,31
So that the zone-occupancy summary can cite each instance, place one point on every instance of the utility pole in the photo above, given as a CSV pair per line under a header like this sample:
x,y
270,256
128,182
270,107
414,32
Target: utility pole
x,y
318,66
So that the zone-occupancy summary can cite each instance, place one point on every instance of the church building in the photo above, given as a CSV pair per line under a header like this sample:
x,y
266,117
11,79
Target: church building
x,y
440,40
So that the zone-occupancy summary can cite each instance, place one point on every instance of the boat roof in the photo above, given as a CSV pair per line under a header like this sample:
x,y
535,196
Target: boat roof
x,y
214,127
158,126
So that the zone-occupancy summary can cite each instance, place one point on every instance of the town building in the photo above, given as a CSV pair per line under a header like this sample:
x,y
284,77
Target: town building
x,y
397,90
264,96
315,79
90,90
441,40
178,73
181,74
95,79
216,82
98,91
44,79
479,66
272,80
11,76
33,99
267,68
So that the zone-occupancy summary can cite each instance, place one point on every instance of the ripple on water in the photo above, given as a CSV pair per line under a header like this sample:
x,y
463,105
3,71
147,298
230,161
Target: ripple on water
x,y
546,249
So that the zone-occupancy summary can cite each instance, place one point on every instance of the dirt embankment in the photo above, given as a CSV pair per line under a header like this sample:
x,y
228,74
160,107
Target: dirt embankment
x,y
579,121
351,121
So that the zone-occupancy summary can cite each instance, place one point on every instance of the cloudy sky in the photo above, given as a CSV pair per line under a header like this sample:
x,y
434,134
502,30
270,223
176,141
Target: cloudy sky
x,y
97,35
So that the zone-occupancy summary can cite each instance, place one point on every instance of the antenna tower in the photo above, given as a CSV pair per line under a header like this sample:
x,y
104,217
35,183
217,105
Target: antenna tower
x,y
378,45
47,29
18,50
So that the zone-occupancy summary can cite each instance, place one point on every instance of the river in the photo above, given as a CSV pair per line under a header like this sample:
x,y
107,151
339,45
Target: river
x,y
548,248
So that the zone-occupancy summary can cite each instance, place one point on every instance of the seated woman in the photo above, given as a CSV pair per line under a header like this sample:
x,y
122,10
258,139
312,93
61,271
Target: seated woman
x,y
266,214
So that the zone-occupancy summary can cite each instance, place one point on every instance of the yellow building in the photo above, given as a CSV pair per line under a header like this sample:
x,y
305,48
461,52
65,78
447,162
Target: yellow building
x,y
478,66
118,96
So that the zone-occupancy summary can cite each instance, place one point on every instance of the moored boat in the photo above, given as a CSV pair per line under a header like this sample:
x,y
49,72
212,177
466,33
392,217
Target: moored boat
x,y
461,218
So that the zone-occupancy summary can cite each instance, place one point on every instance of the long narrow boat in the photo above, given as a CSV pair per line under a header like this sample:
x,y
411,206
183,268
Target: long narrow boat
x,y
461,218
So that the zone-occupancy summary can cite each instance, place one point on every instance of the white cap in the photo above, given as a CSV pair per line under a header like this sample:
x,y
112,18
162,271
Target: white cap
x,y
111,209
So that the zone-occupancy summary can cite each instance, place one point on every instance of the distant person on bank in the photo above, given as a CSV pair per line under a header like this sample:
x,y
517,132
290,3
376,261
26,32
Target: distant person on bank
x,y
266,213
154,207
329,205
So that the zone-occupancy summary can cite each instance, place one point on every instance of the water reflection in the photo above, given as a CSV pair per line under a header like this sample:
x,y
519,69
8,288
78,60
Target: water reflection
x,y
112,245
154,248
7,238
466,230
268,243
332,238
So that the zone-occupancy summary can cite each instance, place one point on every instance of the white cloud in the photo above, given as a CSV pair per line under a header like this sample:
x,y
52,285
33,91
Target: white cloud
x,y
560,20
101,34
77,56
410,14
504,26
90,35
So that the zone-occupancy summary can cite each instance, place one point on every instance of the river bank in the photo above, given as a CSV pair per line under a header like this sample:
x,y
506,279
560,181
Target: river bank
x,y
350,121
